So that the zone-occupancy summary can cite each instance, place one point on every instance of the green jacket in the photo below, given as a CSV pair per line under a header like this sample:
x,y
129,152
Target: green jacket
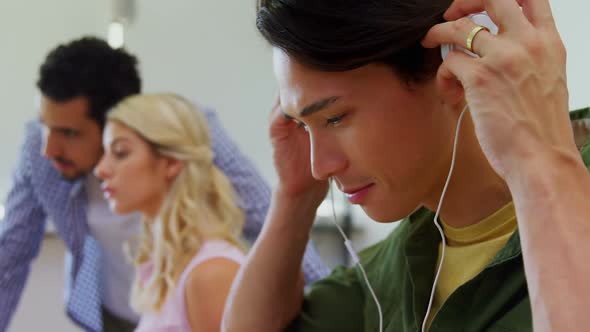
x,y
401,270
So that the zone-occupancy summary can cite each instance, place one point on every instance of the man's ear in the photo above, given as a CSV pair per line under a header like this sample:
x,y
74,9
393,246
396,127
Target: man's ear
x,y
450,92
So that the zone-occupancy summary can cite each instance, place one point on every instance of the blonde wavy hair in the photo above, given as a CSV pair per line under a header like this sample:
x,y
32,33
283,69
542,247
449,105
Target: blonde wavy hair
x,y
200,204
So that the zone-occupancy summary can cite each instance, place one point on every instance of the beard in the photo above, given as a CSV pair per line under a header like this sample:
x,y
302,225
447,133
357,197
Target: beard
x,y
73,174
72,177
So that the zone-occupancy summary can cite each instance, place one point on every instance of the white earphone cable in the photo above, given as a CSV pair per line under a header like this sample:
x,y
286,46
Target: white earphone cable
x,y
442,234
356,260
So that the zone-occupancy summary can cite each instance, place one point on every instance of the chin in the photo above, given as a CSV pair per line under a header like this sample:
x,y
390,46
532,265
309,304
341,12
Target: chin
x,y
118,208
71,176
387,214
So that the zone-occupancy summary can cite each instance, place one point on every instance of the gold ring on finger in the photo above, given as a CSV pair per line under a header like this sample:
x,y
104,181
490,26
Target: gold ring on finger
x,y
472,35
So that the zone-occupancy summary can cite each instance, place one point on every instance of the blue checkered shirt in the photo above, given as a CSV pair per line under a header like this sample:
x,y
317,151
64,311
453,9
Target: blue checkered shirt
x,y
38,193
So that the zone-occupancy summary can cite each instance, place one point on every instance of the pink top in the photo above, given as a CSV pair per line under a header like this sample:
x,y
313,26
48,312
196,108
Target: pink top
x,y
172,316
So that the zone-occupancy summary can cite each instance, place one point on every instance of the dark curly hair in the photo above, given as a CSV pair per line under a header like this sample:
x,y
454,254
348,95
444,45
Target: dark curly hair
x,y
89,67
339,35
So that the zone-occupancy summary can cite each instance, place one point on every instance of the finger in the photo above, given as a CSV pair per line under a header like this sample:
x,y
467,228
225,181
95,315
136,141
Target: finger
x,y
281,127
506,14
454,73
277,116
461,8
456,32
538,12
281,118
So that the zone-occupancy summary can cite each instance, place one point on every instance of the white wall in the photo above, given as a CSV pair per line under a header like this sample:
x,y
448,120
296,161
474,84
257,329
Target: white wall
x,y
572,18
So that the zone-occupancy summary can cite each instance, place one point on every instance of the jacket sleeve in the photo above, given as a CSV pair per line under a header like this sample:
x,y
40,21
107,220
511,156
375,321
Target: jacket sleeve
x,y
333,304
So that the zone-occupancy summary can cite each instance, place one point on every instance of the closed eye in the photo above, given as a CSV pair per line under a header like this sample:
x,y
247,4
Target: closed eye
x,y
336,120
120,154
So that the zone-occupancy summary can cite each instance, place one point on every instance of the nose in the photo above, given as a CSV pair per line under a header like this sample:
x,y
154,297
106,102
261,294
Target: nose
x,y
52,147
327,159
102,170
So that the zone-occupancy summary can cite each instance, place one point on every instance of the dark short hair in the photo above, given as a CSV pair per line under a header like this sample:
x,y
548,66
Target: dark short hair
x,y
89,67
339,35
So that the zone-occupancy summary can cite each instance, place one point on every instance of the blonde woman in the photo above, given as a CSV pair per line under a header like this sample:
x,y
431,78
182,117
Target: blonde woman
x,y
158,161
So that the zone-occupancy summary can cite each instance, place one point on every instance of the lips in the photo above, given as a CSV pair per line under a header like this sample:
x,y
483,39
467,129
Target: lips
x,y
359,194
62,166
108,192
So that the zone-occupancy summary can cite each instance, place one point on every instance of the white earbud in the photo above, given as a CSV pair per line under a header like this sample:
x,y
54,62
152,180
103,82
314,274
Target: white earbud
x,y
480,19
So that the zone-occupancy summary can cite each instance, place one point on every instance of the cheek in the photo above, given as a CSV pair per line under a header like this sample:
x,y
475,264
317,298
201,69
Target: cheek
x,y
153,180
382,142
134,177
399,150
86,153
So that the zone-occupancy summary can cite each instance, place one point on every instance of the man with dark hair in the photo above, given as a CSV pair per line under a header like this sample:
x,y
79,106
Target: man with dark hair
x,y
367,101
80,81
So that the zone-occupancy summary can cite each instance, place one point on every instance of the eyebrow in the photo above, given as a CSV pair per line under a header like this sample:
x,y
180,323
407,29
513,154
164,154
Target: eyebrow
x,y
318,106
58,128
118,140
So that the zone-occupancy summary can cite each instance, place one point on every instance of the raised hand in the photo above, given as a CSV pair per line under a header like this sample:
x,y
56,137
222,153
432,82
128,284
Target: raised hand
x,y
292,161
516,90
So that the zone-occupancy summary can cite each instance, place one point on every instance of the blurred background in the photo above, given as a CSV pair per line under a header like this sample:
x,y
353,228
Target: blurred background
x,y
208,51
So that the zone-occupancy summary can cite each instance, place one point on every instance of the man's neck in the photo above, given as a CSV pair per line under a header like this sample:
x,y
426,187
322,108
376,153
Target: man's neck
x,y
475,190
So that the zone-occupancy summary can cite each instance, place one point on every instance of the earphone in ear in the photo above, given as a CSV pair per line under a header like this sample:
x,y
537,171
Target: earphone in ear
x,y
480,19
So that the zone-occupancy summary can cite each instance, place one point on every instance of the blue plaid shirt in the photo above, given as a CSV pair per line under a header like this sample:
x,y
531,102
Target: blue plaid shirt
x,y
38,193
